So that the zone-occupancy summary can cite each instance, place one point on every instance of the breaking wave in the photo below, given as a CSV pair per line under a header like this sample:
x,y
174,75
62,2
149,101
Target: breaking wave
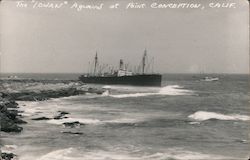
x,y
173,154
90,121
8,148
60,155
203,115
80,120
167,90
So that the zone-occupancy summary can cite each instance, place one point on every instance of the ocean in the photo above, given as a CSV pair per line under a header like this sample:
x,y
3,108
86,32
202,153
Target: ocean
x,y
185,119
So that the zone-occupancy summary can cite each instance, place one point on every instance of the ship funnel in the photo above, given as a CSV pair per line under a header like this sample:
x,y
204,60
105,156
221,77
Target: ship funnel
x,y
121,65
144,61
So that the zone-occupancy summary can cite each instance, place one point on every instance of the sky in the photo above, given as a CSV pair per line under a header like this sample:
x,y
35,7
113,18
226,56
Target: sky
x,y
64,40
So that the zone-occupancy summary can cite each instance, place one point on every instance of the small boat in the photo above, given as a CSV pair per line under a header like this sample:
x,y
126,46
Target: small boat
x,y
210,79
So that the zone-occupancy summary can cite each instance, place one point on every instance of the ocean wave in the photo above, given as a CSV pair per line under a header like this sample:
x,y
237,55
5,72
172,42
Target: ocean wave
x,y
180,154
167,90
129,88
28,108
43,108
8,148
70,120
203,115
173,154
132,95
90,121
62,154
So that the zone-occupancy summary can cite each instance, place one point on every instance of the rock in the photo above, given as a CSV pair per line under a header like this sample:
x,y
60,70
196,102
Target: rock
x,y
8,103
12,114
41,118
8,125
7,156
58,117
9,119
20,121
72,124
63,112
61,115
69,132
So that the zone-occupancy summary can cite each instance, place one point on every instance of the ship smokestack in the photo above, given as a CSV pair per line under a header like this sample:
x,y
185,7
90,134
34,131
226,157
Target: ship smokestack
x,y
144,61
121,65
96,61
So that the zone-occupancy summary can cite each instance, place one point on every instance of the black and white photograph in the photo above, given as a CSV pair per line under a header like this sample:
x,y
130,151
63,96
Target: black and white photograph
x,y
124,80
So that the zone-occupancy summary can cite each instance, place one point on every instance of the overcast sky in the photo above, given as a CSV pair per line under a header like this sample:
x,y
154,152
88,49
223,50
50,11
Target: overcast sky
x,y
180,40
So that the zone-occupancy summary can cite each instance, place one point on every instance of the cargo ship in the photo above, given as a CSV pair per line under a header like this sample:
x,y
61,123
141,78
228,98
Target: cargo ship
x,y
122,75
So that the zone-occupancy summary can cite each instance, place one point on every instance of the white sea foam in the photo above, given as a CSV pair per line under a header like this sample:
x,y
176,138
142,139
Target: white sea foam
x,y
178,154
194,122
203,115
90,121
62,154
106,93
43,108
106,87
28,108
132,95
69,120
167,90
8,148
128,88
122,120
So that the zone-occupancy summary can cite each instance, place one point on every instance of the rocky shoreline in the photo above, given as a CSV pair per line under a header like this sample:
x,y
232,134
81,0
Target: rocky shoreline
x,y
10,116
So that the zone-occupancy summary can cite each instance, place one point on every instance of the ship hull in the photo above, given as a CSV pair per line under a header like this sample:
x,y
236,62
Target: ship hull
x,y
138,80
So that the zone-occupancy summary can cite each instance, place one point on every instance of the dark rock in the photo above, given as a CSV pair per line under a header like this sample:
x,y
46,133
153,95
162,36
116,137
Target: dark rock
x,y
8,103
12,114
63,112
8,115
20,121
8,156
72,124
41,118
61,115
69,132
8,125
58,117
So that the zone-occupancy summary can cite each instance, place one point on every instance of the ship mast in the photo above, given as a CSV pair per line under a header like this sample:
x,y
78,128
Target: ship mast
x,y
144,61
96,61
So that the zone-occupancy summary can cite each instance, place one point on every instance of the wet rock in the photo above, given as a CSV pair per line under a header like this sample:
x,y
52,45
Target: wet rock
x,y
58,117
61,115
19,121
69,132
63,112
9,117
8,103
9,125
40,118
8,156
12,114
72,124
